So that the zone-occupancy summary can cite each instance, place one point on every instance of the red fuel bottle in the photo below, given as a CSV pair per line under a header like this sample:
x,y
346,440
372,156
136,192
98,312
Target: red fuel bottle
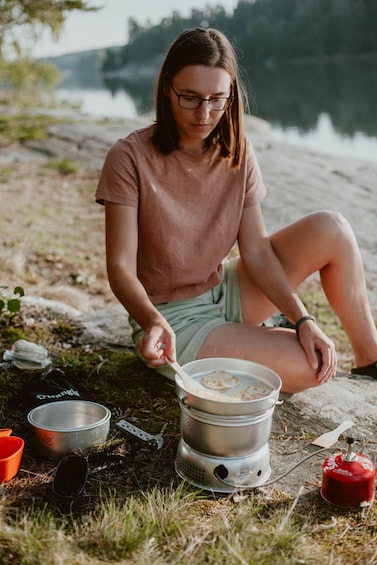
x,y
348,479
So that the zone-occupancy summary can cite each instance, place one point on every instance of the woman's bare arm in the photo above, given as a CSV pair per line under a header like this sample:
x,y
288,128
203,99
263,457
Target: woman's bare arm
x,y
121,258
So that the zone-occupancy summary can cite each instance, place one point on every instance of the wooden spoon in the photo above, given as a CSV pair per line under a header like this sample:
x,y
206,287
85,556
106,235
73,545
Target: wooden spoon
x,y
192,386
328,439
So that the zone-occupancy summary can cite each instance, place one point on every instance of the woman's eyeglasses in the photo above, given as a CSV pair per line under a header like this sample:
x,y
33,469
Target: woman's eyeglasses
x,y
218,104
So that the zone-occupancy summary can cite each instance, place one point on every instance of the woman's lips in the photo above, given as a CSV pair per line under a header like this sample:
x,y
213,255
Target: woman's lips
x,y
201,126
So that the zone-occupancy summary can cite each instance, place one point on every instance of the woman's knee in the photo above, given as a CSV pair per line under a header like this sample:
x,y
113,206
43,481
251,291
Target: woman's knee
x,y
331,224
299,382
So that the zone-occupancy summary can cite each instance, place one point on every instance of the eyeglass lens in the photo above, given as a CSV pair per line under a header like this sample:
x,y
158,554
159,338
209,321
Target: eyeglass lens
x,y
194,102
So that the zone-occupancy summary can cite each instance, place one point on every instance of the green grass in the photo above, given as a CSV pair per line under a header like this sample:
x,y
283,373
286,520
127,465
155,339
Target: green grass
x,y
135,509
63,166
5,173
24,126
178,526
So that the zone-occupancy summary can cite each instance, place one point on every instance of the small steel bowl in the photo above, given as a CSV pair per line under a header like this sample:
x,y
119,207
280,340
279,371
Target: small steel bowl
x,y
68,426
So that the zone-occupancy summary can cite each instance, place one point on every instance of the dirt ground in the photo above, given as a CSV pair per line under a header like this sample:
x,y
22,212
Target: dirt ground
x,y
52,231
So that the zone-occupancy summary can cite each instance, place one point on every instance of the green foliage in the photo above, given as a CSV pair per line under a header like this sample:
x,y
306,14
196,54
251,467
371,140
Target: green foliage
x,y
32,16
63,166
27,82
10,304
31,80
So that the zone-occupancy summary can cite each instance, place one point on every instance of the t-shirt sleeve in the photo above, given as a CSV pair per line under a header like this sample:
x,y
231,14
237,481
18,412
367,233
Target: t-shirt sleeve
x,y
118,180
255,187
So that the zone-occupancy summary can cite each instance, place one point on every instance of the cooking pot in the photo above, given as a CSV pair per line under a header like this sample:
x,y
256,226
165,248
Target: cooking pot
x,y
67,426
225,436
11,449
250,374
232,428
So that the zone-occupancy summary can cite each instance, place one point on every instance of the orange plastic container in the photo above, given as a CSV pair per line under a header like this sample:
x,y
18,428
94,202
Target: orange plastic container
x,y
11,450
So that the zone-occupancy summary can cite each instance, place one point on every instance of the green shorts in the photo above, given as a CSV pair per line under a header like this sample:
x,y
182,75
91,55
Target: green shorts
x,y
193,319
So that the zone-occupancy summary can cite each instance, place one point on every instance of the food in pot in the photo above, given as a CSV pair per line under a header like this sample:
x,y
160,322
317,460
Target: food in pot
x,y
219,380
254,392
223,382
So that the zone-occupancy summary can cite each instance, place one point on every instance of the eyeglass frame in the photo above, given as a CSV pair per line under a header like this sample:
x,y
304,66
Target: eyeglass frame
x,y
229,100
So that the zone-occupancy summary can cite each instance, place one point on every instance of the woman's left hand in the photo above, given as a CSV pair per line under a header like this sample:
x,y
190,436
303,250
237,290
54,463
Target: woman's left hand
x,y
319,349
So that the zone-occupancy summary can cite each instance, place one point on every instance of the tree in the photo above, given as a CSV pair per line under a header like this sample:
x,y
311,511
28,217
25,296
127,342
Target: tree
x,y
21,21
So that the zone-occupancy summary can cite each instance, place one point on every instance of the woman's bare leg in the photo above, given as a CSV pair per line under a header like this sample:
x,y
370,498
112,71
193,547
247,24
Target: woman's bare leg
x,y
277,348
322,242
326,243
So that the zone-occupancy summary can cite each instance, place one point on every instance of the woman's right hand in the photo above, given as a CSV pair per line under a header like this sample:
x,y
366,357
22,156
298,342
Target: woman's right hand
x,y
157,343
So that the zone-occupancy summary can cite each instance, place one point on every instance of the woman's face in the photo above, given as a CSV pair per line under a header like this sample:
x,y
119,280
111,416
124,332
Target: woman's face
x,y
194,126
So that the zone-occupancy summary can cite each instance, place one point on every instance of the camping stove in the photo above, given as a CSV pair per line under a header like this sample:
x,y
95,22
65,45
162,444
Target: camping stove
x,y
222,474
224,444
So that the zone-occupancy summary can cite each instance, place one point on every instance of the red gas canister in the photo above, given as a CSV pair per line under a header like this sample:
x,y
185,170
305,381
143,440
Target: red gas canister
x,y
348,479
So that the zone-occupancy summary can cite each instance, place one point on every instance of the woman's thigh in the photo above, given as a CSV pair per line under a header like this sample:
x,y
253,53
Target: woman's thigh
x,y
302,248
277,348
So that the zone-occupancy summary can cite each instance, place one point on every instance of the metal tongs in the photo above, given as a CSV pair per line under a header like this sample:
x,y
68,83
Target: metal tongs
x,y
128,429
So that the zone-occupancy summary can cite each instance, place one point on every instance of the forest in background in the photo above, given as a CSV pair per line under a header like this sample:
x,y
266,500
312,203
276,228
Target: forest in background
x,y
320,56
263,31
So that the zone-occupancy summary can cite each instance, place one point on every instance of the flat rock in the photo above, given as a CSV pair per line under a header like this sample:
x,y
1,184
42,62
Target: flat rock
x,y
107,326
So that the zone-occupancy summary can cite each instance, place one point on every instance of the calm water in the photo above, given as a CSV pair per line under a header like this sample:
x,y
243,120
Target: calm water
x,y
330,107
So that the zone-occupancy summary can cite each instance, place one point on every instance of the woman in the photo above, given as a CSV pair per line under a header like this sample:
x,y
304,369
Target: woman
x,y
179,194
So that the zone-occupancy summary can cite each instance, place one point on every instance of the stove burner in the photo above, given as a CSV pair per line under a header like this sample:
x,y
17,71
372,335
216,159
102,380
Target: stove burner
x,y
222,474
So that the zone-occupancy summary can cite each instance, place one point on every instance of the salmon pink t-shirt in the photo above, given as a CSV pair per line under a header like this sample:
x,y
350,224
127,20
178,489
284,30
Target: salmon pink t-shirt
x,y
189,209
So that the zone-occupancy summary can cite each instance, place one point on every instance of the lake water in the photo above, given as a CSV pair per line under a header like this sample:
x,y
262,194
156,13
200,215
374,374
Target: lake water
x,y
330,107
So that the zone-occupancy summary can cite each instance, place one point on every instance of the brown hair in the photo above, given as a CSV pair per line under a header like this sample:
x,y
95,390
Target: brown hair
x,y
211,48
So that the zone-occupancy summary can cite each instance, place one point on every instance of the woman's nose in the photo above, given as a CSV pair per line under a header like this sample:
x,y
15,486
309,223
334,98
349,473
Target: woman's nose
x,y
204,109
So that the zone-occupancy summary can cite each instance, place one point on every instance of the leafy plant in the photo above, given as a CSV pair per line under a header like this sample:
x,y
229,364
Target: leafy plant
x,y
10,304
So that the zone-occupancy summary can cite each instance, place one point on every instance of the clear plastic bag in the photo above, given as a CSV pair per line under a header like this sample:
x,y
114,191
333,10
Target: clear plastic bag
x,y
27,355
